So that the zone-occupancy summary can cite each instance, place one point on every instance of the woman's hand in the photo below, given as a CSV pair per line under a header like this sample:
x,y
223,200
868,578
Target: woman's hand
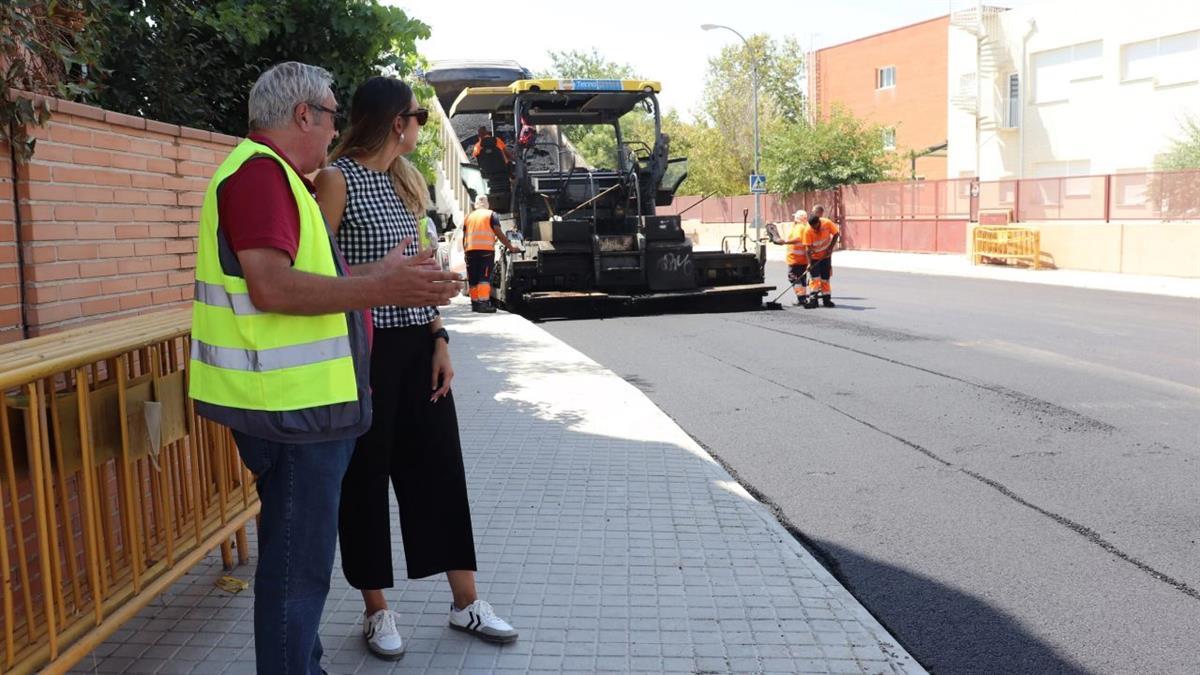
x,y
443,372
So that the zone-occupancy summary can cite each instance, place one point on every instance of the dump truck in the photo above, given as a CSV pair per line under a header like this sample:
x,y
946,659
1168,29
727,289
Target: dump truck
x,y
592,239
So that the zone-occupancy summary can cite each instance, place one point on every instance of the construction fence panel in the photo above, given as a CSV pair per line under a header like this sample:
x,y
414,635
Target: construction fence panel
x,y
111,487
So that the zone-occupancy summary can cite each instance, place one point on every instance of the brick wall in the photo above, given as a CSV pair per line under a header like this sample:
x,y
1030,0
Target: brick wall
x,y
109,206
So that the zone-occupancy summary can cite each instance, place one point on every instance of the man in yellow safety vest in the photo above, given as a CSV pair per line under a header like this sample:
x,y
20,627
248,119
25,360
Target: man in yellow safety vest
x,y
280,342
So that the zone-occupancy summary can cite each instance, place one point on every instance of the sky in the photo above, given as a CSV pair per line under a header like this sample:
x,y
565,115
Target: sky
x,y
661,40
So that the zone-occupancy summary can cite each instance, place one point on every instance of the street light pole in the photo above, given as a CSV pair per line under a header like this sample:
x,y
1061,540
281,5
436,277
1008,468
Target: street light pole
x,y
754,97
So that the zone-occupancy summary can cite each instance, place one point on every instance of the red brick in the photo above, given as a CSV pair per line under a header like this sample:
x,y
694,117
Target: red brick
x,y
8,255
114,178
76,251
86,289
164,198
114,214
115,250
165,295
130,196
136,300
74,213
50,193
71,135
71,174
151,213
94,195
225,139
183,183
163,231
199,154
162,127
143,180
151,281
134,265
101,306
132,231
125,120
196,169
80,110
160,165
118,285
142,146
181,246
93,231
188,132
111,142
102,268
171,151
8,275
187,261
149,248
48,232
181,278
38,172
11,294
130,162
37,294
42,254
178,215
53,272
52,152
92,157
43,314
165,262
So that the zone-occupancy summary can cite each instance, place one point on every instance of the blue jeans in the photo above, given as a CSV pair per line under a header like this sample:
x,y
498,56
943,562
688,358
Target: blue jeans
x,y
300,487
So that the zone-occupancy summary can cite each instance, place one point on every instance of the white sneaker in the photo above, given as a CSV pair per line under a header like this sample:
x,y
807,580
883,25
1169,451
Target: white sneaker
x,y
480,620
379,630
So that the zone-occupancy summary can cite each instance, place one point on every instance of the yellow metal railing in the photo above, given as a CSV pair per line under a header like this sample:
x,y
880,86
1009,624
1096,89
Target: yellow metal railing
x,y
1005,243
111,487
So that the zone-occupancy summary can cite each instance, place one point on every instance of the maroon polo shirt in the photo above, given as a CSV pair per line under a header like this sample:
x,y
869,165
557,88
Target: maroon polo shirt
x,y
256,207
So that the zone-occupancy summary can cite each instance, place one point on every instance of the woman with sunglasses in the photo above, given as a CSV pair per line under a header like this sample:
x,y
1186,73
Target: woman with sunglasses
x,y
371,197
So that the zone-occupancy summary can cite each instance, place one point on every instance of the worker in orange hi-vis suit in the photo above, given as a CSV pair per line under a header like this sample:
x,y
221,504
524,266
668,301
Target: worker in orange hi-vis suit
x,y
797,254
819,240
480,233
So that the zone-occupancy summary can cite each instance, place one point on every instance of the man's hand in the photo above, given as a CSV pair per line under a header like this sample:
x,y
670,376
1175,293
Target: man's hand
x,y
412,281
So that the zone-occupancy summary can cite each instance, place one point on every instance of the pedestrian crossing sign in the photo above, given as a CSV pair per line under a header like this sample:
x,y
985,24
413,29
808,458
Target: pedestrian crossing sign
x,y
758,183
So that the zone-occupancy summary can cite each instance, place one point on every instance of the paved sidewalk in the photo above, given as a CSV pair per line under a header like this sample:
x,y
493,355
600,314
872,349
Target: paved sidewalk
x,y
605,534
960,266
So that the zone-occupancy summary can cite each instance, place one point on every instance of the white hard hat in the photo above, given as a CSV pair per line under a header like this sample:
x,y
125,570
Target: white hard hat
x,y
800,215
481,202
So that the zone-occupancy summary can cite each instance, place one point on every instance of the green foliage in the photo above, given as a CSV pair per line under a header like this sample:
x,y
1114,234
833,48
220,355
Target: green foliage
x,y
596,144
47,48
1184,152
838,150
192,62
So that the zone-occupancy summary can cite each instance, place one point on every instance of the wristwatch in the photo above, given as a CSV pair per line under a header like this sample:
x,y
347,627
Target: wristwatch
x,y
441,333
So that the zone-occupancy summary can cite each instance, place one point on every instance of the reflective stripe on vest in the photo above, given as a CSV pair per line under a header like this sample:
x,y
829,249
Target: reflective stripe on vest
x,y
246,358
217,296
262,360
478,235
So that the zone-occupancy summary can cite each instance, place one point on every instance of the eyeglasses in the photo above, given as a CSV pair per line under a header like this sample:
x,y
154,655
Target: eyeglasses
x,y
337,115
421,114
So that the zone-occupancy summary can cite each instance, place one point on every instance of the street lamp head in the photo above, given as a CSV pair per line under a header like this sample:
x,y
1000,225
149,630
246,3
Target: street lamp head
x,y
708,26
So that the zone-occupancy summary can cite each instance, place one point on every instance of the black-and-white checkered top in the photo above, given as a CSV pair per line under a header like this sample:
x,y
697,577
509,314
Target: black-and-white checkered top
x,y
374,222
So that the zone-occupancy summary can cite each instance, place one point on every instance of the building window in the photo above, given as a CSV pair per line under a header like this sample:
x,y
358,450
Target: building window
x,y
889,138
1055,70
1172,59
885,78
1012,113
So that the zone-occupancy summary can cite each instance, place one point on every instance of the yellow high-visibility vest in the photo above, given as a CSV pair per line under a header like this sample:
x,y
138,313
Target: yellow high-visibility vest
x,y
246,358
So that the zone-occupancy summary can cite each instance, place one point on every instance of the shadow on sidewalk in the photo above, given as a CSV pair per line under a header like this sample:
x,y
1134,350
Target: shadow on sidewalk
x,y
947,630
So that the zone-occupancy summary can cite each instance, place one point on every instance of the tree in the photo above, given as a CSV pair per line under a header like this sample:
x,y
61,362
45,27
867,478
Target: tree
x,y
722,163
595,143
838,150
46,47
1184,152
192,62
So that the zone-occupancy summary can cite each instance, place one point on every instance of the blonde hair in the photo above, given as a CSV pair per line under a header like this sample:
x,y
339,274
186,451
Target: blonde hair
x,y
410,186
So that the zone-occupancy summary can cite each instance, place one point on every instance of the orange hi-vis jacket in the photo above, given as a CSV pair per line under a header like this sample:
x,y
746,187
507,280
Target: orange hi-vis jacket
x,y
477,231
795,252
820,239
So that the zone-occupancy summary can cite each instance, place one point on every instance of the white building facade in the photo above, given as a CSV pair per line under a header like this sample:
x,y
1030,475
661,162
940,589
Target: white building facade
x,y
1070,88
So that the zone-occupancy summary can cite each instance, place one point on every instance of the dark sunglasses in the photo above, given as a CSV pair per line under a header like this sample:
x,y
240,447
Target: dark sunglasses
x,y
338,115
421,114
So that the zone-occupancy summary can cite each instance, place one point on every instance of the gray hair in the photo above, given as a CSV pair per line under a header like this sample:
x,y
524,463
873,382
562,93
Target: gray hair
x,y
481,202
281,88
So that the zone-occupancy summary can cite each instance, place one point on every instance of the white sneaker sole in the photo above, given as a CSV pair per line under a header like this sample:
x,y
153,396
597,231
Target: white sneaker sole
x,y
495,639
